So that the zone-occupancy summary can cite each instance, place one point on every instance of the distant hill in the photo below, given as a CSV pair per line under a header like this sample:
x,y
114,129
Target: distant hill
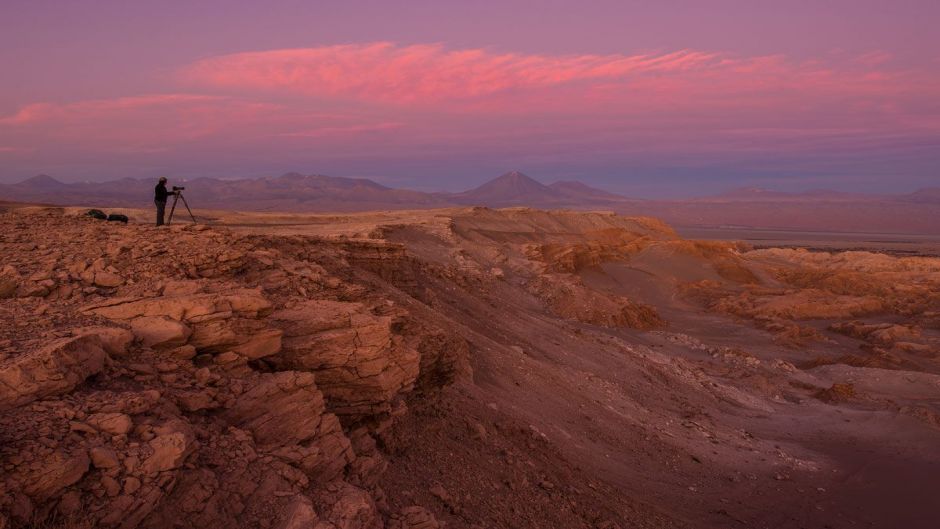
x,y
288,192
297,192
42,182
510,189
517,189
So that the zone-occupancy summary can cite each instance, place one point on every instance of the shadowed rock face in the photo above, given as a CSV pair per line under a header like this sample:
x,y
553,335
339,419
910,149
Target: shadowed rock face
x,y
461,368
58,367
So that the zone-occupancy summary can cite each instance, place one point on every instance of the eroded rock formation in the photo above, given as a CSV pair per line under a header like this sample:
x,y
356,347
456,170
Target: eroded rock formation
x,y
155,377
469,368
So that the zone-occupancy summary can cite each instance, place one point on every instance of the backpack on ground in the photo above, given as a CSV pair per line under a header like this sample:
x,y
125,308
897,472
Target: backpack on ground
x,y
117,217
97,214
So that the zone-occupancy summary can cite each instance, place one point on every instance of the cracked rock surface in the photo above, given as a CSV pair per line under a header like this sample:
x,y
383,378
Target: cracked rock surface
x,y
190,375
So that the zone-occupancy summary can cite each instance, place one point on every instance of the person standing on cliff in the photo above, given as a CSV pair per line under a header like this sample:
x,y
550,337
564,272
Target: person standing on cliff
x,y
159,198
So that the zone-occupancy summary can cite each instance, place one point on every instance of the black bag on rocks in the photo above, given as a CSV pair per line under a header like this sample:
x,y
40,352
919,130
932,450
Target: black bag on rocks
x,y
117,217
97,213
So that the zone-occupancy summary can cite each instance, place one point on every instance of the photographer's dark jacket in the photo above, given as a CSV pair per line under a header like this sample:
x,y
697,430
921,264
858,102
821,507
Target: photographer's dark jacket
x,y
160,193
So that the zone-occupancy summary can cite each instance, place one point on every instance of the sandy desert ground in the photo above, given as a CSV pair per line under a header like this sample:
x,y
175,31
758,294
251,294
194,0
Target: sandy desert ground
x,y
459,368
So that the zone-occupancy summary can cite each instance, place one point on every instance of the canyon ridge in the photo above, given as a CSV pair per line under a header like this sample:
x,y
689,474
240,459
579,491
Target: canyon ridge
x,y
462,367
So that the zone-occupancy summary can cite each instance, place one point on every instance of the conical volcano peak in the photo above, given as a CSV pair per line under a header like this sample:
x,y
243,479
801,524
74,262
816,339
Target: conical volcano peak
x,y
516,176
510,188
515,181
42,181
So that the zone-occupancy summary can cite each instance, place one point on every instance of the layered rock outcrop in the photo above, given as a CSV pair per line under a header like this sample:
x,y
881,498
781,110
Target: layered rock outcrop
x,y
58,367
198,377
361,363
211,323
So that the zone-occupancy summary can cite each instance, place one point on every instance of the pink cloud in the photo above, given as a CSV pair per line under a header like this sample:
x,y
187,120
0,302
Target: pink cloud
x,y
368,99
26,114
411,74
38,112
4,149
142,122
157,124
189,115
479,79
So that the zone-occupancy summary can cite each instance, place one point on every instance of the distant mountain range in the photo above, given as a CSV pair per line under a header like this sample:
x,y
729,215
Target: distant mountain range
x,y
289,192
916,213
297,192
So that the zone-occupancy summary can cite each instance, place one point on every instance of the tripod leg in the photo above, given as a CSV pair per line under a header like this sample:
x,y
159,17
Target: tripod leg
x,y
187,209
169,220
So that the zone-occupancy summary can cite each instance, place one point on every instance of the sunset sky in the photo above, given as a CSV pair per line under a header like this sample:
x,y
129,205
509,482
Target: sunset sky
x,y
665,98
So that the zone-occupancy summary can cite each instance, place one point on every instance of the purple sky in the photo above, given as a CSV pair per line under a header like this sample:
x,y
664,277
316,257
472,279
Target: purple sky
x,y
644,98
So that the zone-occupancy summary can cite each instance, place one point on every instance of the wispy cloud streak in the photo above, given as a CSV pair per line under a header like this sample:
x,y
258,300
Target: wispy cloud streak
x,y
409,74
428,74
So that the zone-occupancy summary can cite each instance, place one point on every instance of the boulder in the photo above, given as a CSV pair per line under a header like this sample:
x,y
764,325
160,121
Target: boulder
x,y
30,289
182,288
131,485
192,401
160,331
114,340
111,486
103,457
52,370
352,507
112,423
174,442
107,279
54,473
261,344
299,514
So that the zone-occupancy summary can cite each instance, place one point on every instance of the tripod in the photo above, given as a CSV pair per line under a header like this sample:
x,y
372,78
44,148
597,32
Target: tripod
x,y
177,195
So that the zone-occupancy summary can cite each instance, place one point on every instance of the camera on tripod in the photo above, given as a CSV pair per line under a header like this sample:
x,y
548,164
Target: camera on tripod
x,y
177,196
